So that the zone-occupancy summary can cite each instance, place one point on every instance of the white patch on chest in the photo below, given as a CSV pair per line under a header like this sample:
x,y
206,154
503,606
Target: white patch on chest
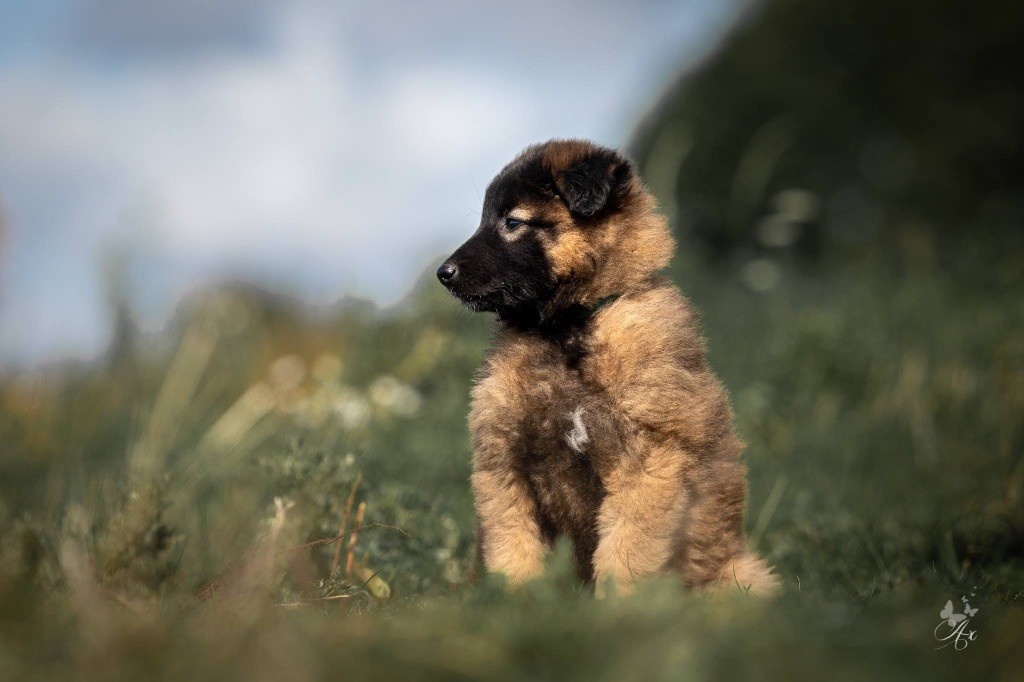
x,y
577,436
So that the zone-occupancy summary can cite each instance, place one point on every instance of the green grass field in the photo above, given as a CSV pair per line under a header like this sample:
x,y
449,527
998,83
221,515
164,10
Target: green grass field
x,y
162,511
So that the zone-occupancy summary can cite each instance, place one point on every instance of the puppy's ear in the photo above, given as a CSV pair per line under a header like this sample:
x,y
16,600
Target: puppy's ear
x,y
595,183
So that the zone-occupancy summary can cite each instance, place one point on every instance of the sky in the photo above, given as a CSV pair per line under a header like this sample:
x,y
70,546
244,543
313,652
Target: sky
x,y
317,149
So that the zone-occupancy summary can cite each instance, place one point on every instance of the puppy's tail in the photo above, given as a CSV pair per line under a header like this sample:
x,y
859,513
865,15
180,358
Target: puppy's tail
x,y
751,574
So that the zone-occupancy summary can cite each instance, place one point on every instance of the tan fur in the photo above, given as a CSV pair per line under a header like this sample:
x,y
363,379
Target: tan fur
x,y
658,421
504,504
749,573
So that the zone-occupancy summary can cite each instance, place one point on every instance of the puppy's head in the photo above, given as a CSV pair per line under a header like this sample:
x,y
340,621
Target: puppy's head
x,y
566,222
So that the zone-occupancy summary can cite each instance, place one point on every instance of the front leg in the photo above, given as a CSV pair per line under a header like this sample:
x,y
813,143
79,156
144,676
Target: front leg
x,y
511,541
510,537
641,519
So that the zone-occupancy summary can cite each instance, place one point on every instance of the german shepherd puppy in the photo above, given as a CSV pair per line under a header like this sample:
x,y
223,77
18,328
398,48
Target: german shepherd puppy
x,y
595,415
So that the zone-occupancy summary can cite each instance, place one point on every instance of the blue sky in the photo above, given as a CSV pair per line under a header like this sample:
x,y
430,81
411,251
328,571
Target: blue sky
x,y
317,149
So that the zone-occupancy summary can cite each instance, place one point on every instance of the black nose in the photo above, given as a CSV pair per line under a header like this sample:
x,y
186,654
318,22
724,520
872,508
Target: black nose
x,y
447,273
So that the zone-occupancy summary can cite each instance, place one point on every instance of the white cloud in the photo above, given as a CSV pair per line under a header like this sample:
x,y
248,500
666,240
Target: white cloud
x,y
447,116
295,162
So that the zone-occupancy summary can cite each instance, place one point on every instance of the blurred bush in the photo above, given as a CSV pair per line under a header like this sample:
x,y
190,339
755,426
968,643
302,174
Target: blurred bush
x,y
825,124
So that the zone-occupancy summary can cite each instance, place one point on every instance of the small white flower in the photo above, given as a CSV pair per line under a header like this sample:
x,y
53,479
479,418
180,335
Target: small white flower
x,y
394,396
351,407
287,372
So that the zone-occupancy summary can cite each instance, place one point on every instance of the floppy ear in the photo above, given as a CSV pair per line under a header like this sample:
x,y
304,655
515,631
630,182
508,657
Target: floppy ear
x,y
595,183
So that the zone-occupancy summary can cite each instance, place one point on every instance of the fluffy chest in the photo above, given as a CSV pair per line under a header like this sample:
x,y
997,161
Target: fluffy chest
x,y
563,440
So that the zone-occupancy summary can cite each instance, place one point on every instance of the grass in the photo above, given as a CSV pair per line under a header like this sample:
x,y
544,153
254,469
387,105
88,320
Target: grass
x,y
171,511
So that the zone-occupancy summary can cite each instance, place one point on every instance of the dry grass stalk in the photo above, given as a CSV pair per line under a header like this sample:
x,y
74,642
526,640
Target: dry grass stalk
x,y
372,581
177,391
354,538
211,589
227,438
314,602
239,419
344,522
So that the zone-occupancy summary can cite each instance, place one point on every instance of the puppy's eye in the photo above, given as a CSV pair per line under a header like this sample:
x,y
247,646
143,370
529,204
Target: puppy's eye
x,y
513,223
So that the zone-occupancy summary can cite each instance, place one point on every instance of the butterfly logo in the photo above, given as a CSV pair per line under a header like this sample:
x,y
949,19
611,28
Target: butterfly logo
x,y
950,617
957,633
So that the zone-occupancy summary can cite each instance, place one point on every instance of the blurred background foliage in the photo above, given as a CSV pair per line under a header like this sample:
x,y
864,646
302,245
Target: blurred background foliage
x,y
829,125
845,181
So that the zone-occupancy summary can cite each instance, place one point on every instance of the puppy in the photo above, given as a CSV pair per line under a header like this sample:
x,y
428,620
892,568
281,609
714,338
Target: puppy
x,y
595,415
